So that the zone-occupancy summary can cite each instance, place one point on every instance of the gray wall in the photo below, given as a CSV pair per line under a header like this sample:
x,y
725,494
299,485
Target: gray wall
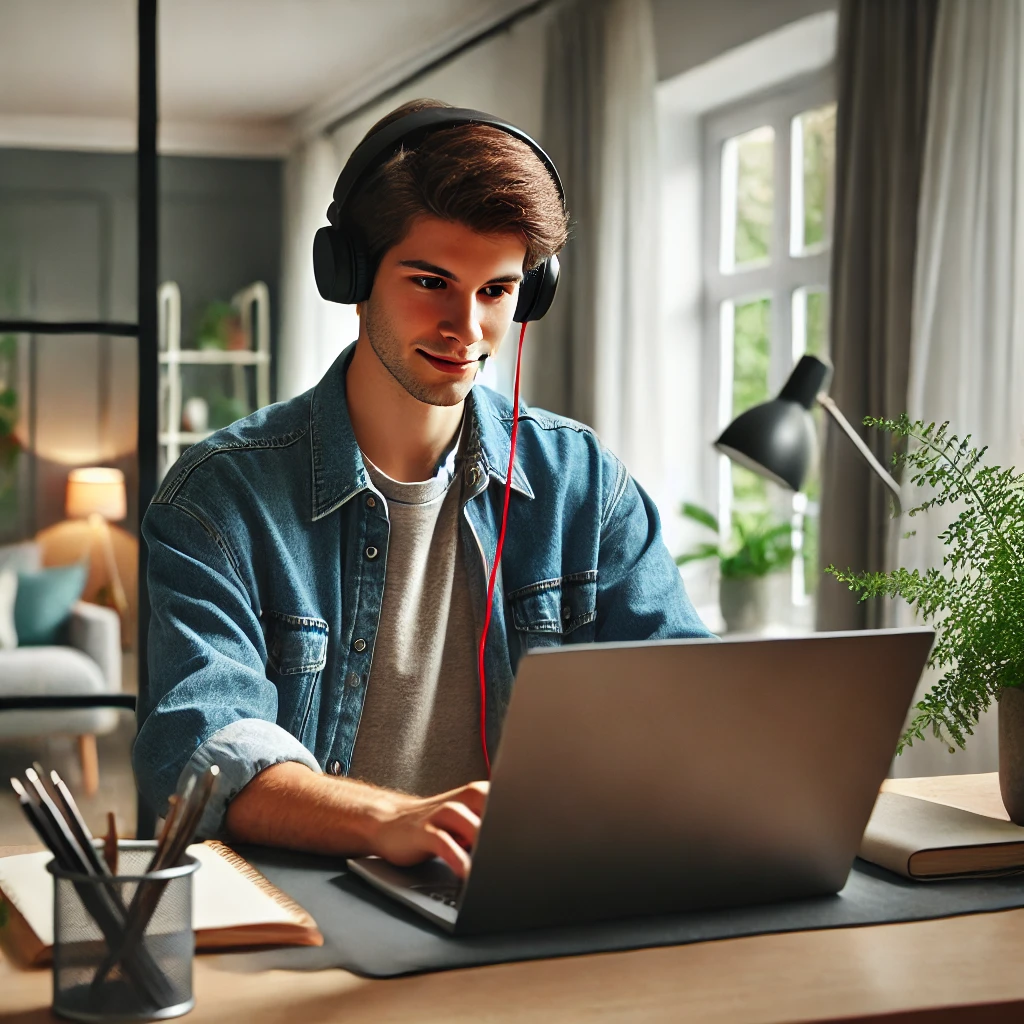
x,y
67,251
689,33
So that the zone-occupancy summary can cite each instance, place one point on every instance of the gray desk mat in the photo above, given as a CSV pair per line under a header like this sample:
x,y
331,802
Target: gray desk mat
x,y
369,934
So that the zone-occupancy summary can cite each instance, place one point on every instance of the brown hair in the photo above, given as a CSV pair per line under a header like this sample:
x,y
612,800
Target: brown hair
x,y
473,174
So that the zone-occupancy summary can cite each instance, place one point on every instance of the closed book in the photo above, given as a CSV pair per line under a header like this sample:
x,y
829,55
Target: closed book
x,y
233,905
924,840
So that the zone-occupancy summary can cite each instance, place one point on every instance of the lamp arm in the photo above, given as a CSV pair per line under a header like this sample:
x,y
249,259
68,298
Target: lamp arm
x,y
833,410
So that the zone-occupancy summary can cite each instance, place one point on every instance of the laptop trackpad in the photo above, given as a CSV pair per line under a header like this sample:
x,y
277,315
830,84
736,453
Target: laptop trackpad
x,y
431,887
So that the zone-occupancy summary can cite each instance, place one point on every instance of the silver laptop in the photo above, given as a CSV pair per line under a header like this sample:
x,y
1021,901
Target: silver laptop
x,y
658,777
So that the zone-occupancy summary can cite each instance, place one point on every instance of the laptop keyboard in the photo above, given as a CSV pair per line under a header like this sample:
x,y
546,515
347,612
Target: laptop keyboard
x,y
448,894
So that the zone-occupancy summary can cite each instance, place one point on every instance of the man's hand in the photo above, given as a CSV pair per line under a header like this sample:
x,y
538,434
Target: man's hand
x,y
442,826
289,805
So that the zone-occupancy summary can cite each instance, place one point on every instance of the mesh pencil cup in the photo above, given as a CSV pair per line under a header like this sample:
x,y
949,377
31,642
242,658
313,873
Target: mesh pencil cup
x,y
123,946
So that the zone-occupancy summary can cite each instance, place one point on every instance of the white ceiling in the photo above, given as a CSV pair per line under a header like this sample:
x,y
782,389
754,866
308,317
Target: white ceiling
x,y
233,74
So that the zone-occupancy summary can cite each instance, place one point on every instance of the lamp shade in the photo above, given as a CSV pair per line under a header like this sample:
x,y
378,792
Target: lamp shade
x,y
96,491
777,439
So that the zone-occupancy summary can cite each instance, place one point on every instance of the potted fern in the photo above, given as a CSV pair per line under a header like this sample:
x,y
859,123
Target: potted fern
x,y
975,600
758,548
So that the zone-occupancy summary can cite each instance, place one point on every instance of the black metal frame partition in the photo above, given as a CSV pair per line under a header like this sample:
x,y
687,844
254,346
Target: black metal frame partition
x,y
145,330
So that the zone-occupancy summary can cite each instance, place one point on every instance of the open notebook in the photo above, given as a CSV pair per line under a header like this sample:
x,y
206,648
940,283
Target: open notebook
x,y
232,905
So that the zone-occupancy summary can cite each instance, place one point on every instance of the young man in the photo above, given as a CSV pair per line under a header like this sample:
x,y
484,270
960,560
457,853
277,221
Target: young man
x,y
341,701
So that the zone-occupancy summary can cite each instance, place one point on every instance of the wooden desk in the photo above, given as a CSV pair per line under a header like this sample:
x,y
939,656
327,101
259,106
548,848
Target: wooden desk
x,y
964,969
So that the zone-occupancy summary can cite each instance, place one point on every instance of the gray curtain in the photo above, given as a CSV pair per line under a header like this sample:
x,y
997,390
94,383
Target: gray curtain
x,y
597,352
884,59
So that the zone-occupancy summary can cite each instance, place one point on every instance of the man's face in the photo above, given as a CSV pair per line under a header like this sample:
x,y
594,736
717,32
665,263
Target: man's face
x,y
443,297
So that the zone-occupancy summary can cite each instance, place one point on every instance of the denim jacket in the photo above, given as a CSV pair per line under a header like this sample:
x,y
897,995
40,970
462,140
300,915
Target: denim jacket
x,y
267,547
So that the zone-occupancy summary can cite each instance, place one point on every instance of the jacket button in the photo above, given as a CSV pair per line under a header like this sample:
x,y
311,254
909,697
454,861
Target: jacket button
x,y
352,679
371,552
334,767
474,475
566,612
360,645
371,502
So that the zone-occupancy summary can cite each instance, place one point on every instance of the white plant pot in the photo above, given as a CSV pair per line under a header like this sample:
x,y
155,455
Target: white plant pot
x,y
745,603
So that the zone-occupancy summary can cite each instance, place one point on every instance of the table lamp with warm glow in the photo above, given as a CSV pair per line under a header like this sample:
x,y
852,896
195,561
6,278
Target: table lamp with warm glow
x,y
98,494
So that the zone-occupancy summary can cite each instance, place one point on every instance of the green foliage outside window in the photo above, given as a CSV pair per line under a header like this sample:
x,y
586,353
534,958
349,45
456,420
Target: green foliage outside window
x,y
754,195
751,358
819,157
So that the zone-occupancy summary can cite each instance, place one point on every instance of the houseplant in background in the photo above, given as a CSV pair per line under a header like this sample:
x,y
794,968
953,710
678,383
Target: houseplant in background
x,y
757,548
220,329
975,600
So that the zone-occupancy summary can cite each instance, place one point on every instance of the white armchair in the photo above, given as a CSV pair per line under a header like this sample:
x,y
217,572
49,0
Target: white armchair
x,y
61,689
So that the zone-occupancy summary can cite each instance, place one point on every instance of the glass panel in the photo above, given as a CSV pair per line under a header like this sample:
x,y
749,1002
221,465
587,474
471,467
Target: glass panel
x,y
747,198
13,377
816,337
812,577
751,360
814,162
810,322
810,335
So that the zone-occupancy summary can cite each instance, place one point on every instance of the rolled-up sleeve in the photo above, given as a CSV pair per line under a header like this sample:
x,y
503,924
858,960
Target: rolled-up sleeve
x,y
209,700
241,750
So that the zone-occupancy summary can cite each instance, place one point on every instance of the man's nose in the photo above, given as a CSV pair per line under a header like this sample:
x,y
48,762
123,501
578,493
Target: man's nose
x,y
464,324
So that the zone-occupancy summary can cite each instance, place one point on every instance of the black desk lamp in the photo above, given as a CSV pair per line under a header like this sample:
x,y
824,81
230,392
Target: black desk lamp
x,y
777,439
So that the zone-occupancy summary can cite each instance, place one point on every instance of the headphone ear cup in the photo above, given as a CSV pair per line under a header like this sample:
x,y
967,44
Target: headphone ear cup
x,y
332,265
341,266
362,274
537,291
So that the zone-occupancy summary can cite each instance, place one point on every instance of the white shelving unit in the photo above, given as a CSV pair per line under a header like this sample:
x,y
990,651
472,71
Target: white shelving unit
x,y
253,305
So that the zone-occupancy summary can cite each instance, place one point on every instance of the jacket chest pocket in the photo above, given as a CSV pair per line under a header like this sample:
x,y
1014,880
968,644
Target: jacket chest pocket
x,y
547,613
296,656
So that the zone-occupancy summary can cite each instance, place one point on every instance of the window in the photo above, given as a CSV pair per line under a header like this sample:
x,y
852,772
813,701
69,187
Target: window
x,y
769,180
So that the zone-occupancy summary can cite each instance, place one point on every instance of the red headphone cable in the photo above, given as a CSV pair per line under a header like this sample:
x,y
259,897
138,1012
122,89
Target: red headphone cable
x,y
497,557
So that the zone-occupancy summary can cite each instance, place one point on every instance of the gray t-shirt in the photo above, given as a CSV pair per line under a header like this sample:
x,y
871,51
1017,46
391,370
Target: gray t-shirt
x,y
419,730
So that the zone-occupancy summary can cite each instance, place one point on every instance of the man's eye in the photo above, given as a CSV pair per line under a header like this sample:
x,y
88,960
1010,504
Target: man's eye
x,y
430,283
494,291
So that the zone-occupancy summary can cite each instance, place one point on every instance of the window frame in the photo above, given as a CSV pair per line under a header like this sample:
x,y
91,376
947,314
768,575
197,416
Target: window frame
x,y
780,279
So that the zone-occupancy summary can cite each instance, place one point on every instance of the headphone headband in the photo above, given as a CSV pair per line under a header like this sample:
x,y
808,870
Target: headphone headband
x,y
411,130
341,260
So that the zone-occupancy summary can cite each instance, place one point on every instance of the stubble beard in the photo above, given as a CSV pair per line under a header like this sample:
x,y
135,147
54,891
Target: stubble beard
x,y
388,347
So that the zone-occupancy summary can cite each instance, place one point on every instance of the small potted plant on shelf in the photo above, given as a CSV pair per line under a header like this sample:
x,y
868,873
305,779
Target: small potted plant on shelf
x,y
758,548
975,600
220,328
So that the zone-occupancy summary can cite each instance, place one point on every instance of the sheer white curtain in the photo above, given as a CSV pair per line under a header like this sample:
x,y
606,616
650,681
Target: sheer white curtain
x,y
967,353
313,332
599,359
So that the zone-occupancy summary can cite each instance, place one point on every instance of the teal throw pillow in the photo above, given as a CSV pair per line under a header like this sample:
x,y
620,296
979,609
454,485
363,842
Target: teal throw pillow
x,y
43,602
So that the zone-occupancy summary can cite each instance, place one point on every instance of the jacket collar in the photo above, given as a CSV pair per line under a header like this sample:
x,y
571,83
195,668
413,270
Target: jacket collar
x,y
490,437
337,469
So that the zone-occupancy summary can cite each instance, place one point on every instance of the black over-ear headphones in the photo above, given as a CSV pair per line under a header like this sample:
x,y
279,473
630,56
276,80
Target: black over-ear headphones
x,y
341,260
